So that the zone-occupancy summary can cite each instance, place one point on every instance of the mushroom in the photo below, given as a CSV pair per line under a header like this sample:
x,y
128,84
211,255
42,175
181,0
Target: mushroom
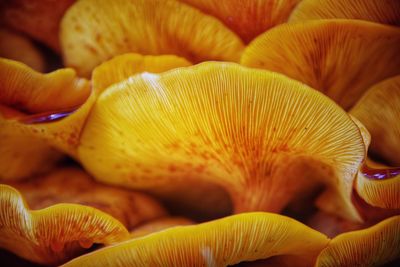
x,y
373,246
38,19
227,241
261,136
341,58
159,225
247,18
72,185
17,47
382,11
93,31
55,234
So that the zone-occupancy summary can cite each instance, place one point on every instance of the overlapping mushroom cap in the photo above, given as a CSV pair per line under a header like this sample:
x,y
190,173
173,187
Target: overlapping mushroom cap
x,y
93,31
261,136
227,241
382,11
247,18
341,58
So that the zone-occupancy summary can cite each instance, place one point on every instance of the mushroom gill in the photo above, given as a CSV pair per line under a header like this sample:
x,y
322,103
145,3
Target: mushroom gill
x,y
72,185
247,18
373,246
341,58
381,11
18,47
227,241
38,19
261,136
159,225
54,234
93,31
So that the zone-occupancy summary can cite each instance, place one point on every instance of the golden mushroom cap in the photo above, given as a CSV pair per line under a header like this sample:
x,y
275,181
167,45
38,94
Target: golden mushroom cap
x,y
341,58
247,18
379,111
123,66
73,185
260,135
93,31
382,11
373,246
54,234
38,19
18,47
159,225
227,241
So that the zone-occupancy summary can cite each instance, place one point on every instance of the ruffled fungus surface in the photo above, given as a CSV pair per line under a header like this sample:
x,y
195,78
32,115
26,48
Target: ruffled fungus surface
x,y
341,58
38,19
55,234
159,225
261,136
382,11
93,31
17,47
227,241
72,185
247,18
373,246
123,66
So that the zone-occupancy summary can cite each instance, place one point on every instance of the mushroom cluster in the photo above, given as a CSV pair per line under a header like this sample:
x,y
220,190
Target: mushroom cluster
x,y
200,133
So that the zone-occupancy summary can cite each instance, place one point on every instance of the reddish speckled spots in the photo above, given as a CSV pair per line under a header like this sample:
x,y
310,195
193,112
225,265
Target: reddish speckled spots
x,y
56,246
85,243
172,168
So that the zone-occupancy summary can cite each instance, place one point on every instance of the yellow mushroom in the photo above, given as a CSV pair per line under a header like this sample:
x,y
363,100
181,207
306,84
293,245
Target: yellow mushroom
x,y
159,225
261,136
17,47
247,18
38,19
382,11
72,185
93,31
373,246
227,241
341,58
55,234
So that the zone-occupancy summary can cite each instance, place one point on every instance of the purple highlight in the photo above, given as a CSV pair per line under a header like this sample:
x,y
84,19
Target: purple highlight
x,y
43,118
380,174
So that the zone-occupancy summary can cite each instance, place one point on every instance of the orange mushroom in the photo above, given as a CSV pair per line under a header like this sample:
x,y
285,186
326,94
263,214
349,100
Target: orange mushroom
x,y
74,186
373,246
341,58
159,225
247,18
382,11
17,47
55,234
38,19
261,136
93,31
223,242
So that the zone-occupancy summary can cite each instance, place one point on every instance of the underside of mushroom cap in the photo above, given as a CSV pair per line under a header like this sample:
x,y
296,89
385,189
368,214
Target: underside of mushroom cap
x,y
341,58
373,246
223,242
261,136
247,18
381,11
93,31
54,234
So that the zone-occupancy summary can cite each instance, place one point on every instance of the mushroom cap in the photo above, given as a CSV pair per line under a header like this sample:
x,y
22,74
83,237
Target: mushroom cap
x,y
381,11
261,136
72,185
373,246
243,237
379,111
18,47
247,18
38,19
159,225
341,58
93,31
54,234
123,66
